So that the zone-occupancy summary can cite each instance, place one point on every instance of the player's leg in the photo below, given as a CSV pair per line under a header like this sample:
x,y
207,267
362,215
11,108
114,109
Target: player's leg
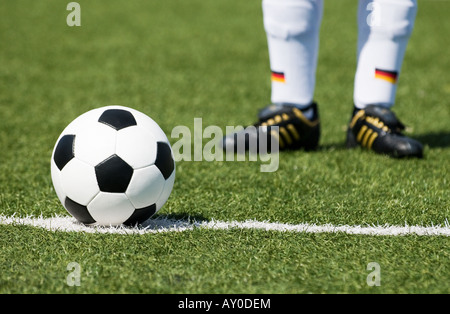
x,y
292,28
384,28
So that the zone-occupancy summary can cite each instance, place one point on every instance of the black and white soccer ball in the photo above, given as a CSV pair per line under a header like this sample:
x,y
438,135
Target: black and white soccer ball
x,y
113,165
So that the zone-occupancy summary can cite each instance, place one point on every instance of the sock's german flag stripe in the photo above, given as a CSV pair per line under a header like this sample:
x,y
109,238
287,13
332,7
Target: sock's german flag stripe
x,y
390,76
278,77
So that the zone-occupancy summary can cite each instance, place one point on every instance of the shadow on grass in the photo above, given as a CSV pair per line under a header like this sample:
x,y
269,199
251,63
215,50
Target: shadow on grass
x,y
172,221
435,139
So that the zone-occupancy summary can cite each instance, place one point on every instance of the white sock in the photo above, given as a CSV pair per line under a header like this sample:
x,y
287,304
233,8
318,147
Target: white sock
x,y
384,28
292,28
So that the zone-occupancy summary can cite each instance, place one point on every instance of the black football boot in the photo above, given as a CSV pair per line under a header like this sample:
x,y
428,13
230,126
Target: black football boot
x,y
377,128
284,124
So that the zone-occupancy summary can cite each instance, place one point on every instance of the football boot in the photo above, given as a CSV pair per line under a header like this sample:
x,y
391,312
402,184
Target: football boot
x,y
377,128
282,124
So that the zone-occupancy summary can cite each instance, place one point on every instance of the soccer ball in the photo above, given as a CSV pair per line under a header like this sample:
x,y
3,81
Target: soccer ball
x,y
113,165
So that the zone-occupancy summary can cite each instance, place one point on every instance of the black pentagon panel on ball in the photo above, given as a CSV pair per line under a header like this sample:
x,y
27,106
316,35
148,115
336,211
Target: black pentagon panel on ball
x,y
164,160
140,215
64,151
117,118
113,174
78,211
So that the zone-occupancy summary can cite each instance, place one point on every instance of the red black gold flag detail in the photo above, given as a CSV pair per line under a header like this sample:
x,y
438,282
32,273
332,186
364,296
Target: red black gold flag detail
x,y
278,77
390,76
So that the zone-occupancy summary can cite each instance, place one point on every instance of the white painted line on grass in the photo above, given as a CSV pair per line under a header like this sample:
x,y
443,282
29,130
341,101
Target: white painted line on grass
x,y
165,224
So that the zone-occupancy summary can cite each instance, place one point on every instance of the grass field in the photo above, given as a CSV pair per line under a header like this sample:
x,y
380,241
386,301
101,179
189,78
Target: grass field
x,y
176,60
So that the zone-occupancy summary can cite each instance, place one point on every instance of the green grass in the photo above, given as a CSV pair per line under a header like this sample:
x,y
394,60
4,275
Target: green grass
x,y
233,261
176,60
